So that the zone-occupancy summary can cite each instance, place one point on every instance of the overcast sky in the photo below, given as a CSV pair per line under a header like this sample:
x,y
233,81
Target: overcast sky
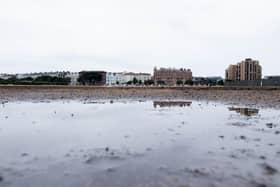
x,y
117,35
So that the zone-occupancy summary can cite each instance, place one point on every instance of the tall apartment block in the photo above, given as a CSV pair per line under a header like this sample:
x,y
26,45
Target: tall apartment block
x,y
246,70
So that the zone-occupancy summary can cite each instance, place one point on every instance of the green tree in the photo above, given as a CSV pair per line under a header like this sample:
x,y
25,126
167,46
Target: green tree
x,y
160,82
135,81
189,82
220,82
27,79
179,82
149,82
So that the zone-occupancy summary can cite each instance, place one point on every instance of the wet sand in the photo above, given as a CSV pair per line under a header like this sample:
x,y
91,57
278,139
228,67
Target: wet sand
x,y
153,137
157,143
268,97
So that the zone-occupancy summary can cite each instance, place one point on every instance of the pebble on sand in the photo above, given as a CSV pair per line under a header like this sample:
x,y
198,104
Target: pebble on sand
x,y
269,125
243,137
269,170
24,154
110,170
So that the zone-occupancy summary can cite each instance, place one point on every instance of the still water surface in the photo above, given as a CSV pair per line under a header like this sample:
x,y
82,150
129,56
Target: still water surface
x,y
125,144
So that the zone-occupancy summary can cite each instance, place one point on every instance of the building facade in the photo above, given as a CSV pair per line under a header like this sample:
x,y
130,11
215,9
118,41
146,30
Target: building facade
x,y
74,76
248,69
113,78
97,78
61,74
142,77
6,76
231,73
170,76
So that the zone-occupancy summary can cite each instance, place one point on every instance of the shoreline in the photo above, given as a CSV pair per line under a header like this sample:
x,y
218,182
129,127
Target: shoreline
x,y
138,87
261,97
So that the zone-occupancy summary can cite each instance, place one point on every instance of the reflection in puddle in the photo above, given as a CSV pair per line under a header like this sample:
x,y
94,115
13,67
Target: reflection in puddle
x,y
171,103
129,143
245,111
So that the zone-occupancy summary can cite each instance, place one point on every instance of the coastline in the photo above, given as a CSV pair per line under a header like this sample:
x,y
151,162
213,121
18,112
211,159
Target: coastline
x,y
257,96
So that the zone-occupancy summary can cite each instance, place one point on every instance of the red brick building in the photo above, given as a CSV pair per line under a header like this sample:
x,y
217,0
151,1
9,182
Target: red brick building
x,y
171,76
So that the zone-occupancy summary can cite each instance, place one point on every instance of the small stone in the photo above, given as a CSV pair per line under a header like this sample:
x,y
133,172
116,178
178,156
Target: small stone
x,y
222,137
149,149
90,160
262,185
126,136
269,125
110,170
199,172
257,139
107,149
243,137
1,178
24,154
277,132
258,184
233,156
263,157
269,170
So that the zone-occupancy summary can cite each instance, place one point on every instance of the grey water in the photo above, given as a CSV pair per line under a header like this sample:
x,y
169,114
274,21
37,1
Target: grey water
x,y
133,143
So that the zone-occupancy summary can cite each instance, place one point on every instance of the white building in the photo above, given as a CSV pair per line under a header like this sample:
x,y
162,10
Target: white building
x,y
6,76
113,78
74,76
126,77
27,75
35,75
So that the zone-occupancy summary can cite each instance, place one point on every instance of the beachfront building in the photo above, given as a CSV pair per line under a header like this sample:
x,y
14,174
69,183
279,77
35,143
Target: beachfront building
x,y
231,73
74,76
171,76
60,74
272,77
5,76
113,78
97,78
248,69
130,77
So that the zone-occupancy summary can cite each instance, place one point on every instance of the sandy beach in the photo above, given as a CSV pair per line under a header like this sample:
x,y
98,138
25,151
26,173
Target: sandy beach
x,y
267,97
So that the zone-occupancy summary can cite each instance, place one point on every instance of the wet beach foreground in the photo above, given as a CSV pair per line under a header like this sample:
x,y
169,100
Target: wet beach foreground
x,y
151,143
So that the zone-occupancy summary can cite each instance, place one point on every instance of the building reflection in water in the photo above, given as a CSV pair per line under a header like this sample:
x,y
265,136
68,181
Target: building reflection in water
x,y
171,103
245,111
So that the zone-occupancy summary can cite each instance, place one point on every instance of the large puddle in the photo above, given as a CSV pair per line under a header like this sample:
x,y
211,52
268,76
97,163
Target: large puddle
x,y
125,144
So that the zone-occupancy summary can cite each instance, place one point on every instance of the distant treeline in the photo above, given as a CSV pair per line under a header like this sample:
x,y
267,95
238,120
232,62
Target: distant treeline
x,y
42,80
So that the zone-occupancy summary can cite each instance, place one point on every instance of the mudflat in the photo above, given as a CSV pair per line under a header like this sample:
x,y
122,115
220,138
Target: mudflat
x,y
139,136
161,143
268,97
